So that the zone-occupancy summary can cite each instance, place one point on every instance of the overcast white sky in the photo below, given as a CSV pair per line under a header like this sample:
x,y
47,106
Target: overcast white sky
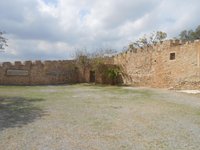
x,y
54,29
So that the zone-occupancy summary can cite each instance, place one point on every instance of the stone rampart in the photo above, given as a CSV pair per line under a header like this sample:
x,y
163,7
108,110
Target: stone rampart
x,y
161,65
166,64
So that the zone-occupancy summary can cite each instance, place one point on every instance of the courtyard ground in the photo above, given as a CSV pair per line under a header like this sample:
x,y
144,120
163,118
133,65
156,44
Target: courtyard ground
x,y
88,117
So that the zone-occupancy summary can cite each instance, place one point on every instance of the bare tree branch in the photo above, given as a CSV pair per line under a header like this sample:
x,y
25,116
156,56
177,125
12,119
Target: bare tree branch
x,y
148,40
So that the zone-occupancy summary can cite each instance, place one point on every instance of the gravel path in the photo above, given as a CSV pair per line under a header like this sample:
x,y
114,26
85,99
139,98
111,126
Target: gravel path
x,y
84,117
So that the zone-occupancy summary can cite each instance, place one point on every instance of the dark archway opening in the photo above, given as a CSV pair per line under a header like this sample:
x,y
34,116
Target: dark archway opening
x,y
92,76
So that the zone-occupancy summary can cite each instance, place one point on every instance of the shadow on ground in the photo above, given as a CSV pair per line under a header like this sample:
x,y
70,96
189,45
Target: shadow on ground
x,y
18,111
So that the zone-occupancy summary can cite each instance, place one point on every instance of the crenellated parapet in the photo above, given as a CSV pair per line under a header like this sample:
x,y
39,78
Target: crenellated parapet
x,y
38,63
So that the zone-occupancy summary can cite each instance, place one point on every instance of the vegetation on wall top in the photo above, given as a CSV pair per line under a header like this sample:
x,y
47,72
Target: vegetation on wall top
x,y
148,40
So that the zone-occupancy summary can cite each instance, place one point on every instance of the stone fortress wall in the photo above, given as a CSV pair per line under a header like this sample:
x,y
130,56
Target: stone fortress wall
x,y
167,64
50,72
38,72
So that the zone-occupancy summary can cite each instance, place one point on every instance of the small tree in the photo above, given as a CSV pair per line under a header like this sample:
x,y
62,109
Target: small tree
x,y
113,74
96,57
187,35
197,32
3,41
148,40
102,53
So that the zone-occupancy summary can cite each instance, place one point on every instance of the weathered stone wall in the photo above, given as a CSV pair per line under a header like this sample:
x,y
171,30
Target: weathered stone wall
x,y
49,72
38,73
151,66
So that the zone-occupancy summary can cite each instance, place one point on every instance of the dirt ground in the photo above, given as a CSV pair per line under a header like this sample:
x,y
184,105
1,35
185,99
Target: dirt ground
x,y
88,117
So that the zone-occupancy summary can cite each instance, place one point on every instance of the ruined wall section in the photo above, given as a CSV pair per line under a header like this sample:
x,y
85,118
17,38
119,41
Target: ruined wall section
x,y
38,73
152,66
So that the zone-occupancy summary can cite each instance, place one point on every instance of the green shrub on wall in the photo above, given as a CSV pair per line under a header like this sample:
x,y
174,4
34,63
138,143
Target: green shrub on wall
x,y
109,73
112,74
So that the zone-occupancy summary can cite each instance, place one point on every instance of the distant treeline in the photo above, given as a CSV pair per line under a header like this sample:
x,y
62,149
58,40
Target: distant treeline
x,y
189,35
